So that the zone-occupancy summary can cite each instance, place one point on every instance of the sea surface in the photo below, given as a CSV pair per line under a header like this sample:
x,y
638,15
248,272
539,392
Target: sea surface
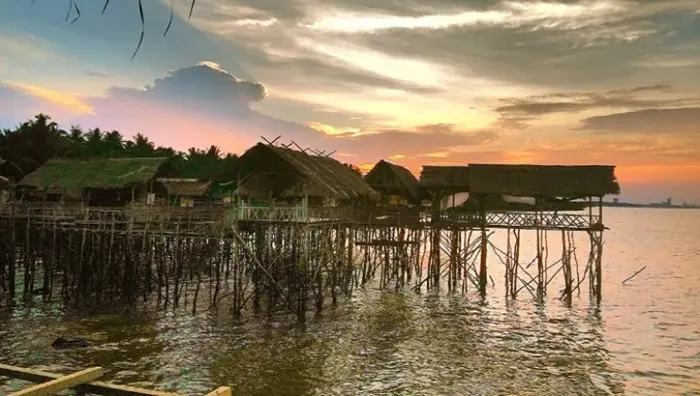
x,y
643,339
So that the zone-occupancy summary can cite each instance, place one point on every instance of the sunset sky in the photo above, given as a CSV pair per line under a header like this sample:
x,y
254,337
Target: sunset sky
x,y
414,82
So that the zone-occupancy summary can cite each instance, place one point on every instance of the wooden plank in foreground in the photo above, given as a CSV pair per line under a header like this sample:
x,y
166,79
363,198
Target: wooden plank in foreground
x,y
61,383
220,391
95,387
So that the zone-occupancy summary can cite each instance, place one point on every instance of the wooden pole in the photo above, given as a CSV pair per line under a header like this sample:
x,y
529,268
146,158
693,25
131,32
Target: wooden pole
x,y
61,383
220,391
483,275
92,387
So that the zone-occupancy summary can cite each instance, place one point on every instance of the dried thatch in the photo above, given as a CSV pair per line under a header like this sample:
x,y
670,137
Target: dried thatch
x,y
70,174
543,180
186,187
389,178
266,168
454,178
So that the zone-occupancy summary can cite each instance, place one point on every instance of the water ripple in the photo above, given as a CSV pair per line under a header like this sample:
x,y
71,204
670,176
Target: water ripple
x,y
642,340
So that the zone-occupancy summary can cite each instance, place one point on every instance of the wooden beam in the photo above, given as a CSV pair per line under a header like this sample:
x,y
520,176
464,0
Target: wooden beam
x,y
95,387
62,383
220,391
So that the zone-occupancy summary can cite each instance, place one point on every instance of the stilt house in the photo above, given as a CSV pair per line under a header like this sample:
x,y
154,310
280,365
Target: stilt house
x,y
396,184
446,186
99,182
543,187
518,187
186,193
542,182
275,176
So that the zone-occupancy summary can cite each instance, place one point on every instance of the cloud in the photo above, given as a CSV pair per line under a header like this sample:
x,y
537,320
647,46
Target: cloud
x,y
650,121
188,105
467,53
334,68
203,81
670,62
19,101
594,56
330,130
539,14
411,144
656,96
207,102
408,71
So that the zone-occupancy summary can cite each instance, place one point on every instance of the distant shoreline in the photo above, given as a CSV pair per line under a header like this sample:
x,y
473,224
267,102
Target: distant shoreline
x,y
650,206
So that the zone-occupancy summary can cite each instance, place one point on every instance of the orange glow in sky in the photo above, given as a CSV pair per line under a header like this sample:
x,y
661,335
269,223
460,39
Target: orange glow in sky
x,y
441,83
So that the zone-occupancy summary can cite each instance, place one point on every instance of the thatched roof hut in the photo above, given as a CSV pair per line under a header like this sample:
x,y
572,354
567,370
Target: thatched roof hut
x,y
452,178
73,177
186,187
267,169
547,181
392,179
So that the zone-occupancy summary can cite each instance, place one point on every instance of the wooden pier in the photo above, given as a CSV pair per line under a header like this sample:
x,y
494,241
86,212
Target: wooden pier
x,y
322,232
200,258
83,382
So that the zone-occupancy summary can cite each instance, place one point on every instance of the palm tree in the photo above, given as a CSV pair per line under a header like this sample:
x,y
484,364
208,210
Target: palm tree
x,y
75,141
140,147
43,122
213,152
113,144
93,143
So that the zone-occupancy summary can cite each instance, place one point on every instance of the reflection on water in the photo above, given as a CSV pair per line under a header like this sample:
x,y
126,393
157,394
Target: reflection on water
x,y
642,340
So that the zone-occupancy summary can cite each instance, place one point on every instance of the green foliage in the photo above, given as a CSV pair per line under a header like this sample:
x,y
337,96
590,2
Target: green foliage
x,y
37,140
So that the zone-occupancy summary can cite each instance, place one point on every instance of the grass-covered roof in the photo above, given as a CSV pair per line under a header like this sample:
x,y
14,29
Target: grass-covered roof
x,y
543,180
97,173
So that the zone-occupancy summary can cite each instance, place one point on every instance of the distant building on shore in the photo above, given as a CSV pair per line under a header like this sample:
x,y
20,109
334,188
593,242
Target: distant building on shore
x,y
667,203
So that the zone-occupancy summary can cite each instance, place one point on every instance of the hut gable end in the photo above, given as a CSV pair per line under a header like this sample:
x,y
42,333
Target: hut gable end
x,y
543,180
390,178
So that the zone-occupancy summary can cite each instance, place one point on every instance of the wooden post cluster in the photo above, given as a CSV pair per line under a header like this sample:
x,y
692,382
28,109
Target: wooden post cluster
x,y
198,259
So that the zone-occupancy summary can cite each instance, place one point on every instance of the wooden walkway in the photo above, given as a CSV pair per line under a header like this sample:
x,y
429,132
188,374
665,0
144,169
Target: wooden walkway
x,y
82,382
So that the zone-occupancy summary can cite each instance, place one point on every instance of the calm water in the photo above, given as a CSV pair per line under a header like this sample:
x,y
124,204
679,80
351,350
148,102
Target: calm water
x,y
643,340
